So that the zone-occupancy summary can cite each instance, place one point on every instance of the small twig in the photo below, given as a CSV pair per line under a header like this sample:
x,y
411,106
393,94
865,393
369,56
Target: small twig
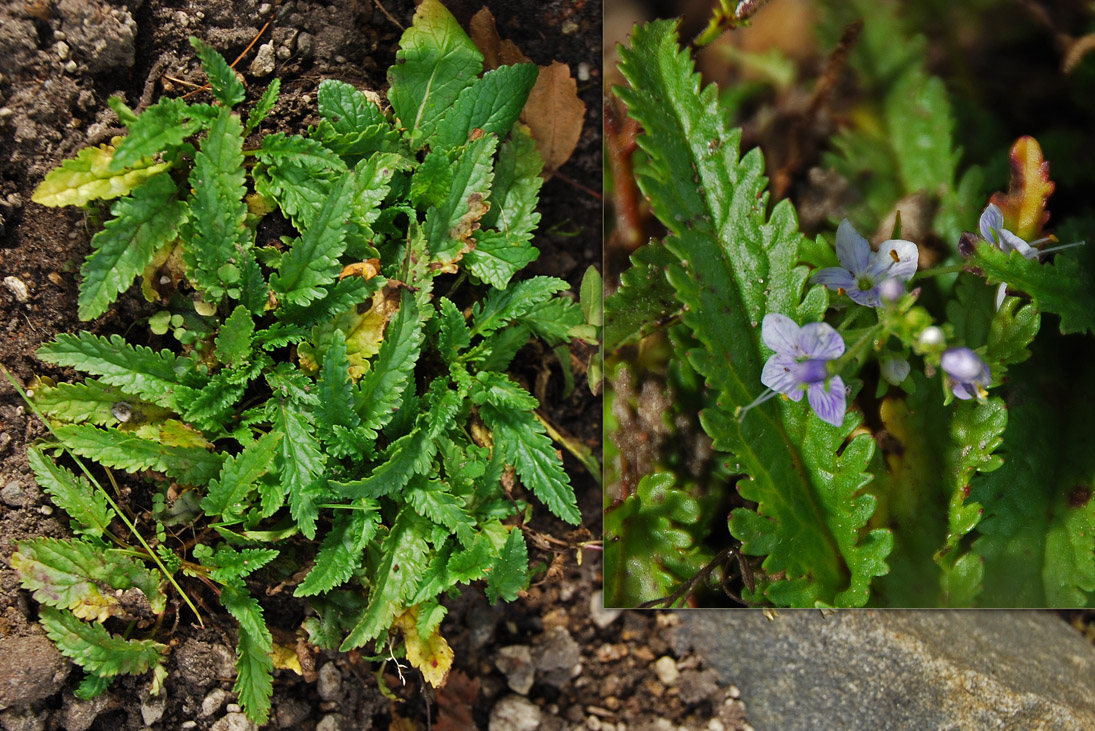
x,y
687,587
576,184
389,15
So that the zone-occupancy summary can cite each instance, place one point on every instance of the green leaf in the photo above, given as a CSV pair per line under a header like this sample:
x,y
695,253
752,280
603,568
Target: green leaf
x,y
644,300
431,499
300,461
554,319
523,443
395,579
141,224
453,332
95,403
734,264
495,260
87,507
335,392
265,104
230,564
503,306
591,297
381,389
1062,287
97,651
254,665
516,189
406,457
312,260
490,104
88,177
91,687
346,109
160,128
498,390
227,89
509,574
233,343
435,62
134,369
216,231
122,450
226,493
450,226
342,550
280,149
69,575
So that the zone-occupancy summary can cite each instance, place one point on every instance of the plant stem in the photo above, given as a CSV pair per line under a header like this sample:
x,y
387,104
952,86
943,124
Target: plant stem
x,y
937,271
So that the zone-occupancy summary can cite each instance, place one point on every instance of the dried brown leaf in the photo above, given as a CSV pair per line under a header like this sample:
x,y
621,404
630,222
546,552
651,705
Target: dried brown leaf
x,y
496,52
554,114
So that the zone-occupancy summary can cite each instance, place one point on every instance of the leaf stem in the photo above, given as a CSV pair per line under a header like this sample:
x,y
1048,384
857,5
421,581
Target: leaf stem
x,y
852,353
937,271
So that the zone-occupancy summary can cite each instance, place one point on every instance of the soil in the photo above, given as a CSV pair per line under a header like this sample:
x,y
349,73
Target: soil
x,y
552,659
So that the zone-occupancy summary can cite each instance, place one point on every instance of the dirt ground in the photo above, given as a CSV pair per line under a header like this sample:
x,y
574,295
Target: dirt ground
x,y
552,659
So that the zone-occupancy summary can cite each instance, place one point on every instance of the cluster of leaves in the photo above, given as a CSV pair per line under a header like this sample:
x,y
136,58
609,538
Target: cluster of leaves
x,y
927,520
320,388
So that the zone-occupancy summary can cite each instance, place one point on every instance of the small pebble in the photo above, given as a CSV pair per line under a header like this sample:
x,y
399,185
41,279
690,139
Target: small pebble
x,y
332,722
62,50
213,702
515,713
569,28
71,67
265,8
666,669
60,36
233,708
12,495
601,617
263,63
17,287
515,662
46,510
329,683
583,71
6,112
735,692
188,724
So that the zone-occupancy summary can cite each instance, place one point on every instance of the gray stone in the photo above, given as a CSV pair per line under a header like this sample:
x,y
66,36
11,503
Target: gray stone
x,y
17,287
23,719
79,715
290,712
900,670
233,722
263,63
12,495
329,683
556,655
153,707
601,617
515,713
32,669
333,722
515,662
101,39
213,702
202,663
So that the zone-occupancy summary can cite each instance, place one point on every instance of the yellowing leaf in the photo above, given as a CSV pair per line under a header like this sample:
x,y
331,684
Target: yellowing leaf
x,y
286,658
432,656
1024,206
174,433
554,114
86,178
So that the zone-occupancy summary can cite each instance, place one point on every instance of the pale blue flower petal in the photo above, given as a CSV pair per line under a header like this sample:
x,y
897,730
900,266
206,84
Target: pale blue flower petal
x,y
834,278
778,375
903,267
865,297
1011,242
828,400
852,250
820,340
780,333
895,369
962,364
992,220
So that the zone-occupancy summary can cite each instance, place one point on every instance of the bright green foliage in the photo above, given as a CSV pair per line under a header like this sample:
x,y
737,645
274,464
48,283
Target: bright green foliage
x,y
142,223
88,177
644,299
1062,286
652,541
808,520
97,651
305,391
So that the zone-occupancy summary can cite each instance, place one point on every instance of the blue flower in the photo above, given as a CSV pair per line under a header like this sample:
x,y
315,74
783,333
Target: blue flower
x,y
800,365
992,228
861,270
967,375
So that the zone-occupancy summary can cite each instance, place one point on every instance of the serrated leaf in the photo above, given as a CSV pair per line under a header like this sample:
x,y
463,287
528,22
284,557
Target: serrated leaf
x,y
1024,206
503,306
343,549
93,648
523,443
233,343
406,457
431,654
85,506
158,129
490,104
216,228
230,564
509,574
346,109
122,450
226,493
227,89
336,400
645,298
431,499
656,533
141,224
254,666
453,332
300,462
395,579
91,687
88,177
449,227
263,107
554,319
134,369
69,575
435,62
380,390
312,261
96,403
498,390
1062,286
734,265
495,260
